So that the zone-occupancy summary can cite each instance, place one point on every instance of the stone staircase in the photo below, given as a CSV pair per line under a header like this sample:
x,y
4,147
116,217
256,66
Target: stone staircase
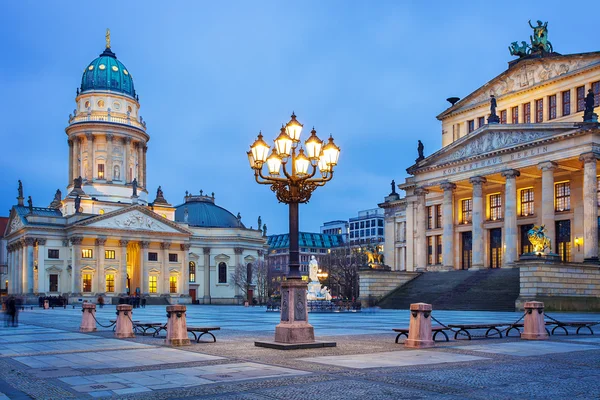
x,y
486,290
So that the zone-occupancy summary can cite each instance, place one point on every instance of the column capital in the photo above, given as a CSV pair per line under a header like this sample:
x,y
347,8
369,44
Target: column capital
x,y
70,142
547,166
123,243
65,243
206,250
109,137
145,244
420,191
477,181
145,148
510,173
18,245
89,136
238,250
126,140
260,253
165,245
185,246
100,241
41,241
448,186
589,157
75,240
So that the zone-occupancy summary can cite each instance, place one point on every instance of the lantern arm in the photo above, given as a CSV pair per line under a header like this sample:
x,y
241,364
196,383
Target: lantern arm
x,y
314,171
266,180
283,164
322,181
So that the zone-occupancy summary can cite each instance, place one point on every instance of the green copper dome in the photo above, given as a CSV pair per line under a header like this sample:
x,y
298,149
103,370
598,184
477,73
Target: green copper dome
x,y
107,73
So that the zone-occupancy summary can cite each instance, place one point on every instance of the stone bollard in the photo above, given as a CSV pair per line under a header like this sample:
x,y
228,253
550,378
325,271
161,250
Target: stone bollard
x,y
88,321
177,334
124,327
534,327
419,330
46,304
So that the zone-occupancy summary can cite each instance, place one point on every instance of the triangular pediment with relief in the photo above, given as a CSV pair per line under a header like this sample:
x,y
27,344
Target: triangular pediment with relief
x,y
524,75
135,218
14,224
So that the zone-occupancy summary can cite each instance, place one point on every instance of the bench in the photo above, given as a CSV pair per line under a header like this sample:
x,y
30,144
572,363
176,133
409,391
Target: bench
x,y
144,327
203,331
493,328
434,329
573,324
521,325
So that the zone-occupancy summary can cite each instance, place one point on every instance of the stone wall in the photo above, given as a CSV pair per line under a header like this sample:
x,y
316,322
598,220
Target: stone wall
x,y
376,283
562,287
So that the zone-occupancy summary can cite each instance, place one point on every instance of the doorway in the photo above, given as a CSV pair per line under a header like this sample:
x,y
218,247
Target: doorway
x,y
467,249
563,240
496,248
193,295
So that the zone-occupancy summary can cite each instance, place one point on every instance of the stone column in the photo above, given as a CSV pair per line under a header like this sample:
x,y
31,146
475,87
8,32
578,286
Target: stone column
x,y
123,267
18,267
90,155
144,276
70,142
421,226
126,145
140,165
510,217
185,279
206,275
28,274
478,215
144,163
76,267
41,272
448,221
11,268
108,173
590,207
238,259
548,168
76,156
100,256
165,246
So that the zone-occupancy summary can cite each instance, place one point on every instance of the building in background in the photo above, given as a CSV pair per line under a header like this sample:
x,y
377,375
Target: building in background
x,y
338,227
3,257
367,228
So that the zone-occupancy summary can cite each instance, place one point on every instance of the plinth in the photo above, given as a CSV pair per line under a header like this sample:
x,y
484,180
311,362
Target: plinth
x,y
294,331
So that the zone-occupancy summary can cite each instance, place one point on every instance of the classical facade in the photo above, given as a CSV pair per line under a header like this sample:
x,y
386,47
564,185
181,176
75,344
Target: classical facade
x,y
470,204
105,237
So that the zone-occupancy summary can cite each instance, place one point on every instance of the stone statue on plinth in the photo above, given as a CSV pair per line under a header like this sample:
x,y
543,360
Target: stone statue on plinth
x,y
160,197
315,290
393,187
20,191
588,113
77,204
420,149
493,118
30,204
134,186
57,202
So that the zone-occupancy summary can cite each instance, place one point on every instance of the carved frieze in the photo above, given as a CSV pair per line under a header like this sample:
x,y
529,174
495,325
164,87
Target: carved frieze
x,y
300,305
15,224
134,220
285,310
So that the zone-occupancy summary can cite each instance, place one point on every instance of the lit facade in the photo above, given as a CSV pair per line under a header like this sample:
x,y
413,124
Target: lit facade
x,y
337,227
367,227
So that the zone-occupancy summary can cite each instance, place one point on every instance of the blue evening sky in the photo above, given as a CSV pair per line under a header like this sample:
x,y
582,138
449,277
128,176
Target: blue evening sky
x,y
210,75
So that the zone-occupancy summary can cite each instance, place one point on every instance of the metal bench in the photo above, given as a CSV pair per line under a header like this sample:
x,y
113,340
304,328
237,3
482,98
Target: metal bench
x,y
144,327
521,325
573,324
434,329
493,328
202,331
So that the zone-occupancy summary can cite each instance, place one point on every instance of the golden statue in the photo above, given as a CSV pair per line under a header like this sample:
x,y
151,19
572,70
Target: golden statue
x,y
373,256
538,238
107,38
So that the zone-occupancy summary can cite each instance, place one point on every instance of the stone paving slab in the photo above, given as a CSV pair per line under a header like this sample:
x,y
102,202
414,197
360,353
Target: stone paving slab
x,y
393,359
40,348
42,336
528,348
595,340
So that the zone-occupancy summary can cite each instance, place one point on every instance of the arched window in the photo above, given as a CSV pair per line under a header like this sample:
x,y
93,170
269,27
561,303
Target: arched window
x,y
222,272
249,273
192,271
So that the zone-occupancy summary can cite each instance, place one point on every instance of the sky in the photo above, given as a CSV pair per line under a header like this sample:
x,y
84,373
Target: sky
x,y
211,75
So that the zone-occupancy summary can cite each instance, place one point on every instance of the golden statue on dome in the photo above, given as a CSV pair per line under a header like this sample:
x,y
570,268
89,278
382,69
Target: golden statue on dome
x,y
107,38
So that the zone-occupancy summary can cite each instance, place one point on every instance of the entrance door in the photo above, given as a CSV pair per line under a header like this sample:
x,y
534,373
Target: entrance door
x,y
496,248
563,240
467,249
193,295
526,246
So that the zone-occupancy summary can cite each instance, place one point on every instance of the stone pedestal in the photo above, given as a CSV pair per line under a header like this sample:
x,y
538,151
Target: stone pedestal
x,y
534,325
46,304
419,330
88,314
177,334
124,327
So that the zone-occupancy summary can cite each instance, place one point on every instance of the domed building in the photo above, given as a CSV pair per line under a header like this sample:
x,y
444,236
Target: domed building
x,y
105,237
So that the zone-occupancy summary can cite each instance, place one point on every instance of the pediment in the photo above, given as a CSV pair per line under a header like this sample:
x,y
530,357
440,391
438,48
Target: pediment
x,y
222,257
194,256
249,259
15,223
88,269
524,75
135,218
154,271
53,268
111,270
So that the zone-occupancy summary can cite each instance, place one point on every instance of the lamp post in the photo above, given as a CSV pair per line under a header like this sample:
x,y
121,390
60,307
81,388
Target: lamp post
x,y
292,175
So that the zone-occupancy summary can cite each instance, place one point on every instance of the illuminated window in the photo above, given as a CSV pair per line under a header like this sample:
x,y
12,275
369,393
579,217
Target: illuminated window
x,y
152,282
110,283
86,253
566,102
87,283
580,98
562,193
471,125
101,103
114,68
527,202
552,106
109,254
563,240
222,272
527,113
102,66
438,241
503,116
192,271
438,216
100,171
91,67
125,72
539,110
495,206
129,109
429,217
87,105
514,113
467,211
430,250
172,284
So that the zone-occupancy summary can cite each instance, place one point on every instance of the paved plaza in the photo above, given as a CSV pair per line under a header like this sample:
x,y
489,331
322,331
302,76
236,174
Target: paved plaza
x,y
47,358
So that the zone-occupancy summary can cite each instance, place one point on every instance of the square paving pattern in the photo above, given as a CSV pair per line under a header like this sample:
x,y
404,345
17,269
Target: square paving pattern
x,y
529,348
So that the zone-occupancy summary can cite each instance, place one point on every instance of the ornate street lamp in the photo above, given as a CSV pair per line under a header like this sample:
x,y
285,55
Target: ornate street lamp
x,y
292,175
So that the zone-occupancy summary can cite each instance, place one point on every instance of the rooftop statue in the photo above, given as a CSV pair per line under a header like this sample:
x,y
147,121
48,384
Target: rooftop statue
x,y
393,187
30,204
521,51
134,186
420,149
588,113
77,204
77,182
539,39
265,230
493,118
20,189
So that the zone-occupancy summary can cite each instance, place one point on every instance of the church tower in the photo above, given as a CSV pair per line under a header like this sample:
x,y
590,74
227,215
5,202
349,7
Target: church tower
x,y
107,140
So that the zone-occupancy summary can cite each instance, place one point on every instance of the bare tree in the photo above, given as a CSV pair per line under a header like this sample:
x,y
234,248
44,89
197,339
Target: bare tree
x,y
343,263
253,275
239,277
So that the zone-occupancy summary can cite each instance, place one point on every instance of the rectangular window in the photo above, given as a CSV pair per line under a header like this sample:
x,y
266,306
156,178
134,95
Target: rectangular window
x,y
539,110
580,98
467,211
527,202
563,240
596,90
367,224
87,283
110,283
172,284
86,253
471,125
429,217
372,231
152,256
53,253
480,122
109,254
438,216
552,106
438,240
430,250
172,257
495,206
503,116
526,246
53,282
100,171
380,231
362,225
527,113
566,102
515,115
380,222
152,282
562,196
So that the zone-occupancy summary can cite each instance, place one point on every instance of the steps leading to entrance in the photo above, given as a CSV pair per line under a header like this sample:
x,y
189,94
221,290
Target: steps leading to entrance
x,y
486,290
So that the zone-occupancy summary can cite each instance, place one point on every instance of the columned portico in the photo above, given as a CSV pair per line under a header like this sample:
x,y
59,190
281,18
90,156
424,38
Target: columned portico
x,y
41,267
590,207
421,226
144,277
76,264
89,137
123,266
478,215
448,222
165,246
547,169
510,217
100,256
